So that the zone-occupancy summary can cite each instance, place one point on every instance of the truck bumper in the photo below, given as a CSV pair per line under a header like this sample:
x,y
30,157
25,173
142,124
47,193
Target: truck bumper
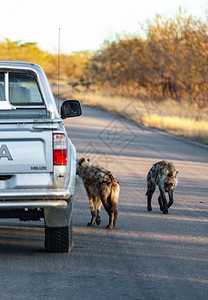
x,y
56,204
33,204
34,194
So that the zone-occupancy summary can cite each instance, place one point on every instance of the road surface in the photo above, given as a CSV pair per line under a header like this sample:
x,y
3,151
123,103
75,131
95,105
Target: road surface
x,y
148,255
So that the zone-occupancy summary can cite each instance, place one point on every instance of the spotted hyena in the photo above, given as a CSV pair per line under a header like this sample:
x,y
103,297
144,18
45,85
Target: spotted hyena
x,y
102,188
164,175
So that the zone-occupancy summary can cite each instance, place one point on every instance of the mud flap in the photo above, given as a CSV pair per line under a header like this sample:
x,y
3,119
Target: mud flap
x,y
58,217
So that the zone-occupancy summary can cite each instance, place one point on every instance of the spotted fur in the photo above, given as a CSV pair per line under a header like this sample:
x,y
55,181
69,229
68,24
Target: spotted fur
x,y
164,175
102,188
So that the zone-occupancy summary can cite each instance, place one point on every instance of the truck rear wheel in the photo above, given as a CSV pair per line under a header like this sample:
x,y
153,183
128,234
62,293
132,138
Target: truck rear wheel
x,y
58,239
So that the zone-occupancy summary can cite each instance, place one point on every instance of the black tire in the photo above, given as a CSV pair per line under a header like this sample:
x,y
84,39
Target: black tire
x,y
58,239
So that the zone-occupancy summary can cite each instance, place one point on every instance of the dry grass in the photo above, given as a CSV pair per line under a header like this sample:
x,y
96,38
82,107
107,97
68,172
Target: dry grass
x,y
181,119
196,130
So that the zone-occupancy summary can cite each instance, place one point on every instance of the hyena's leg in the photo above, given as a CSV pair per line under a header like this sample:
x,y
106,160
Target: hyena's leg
x,y
98,219
92,209
164,201
114,208
115,217
92,200
111,219
170,194
150,192
113,213
109,209
160,203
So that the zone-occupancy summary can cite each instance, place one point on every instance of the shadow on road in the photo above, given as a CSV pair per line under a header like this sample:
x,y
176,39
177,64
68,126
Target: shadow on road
x,y
21,238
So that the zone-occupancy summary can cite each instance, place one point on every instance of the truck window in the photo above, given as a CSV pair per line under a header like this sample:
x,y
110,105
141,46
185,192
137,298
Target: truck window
x,y
2,89
23,89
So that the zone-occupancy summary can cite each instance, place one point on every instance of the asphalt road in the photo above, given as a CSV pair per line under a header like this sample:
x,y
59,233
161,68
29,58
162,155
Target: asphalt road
x,y
148,255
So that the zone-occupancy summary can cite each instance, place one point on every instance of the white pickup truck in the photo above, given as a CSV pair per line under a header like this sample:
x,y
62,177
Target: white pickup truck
x,y
37,159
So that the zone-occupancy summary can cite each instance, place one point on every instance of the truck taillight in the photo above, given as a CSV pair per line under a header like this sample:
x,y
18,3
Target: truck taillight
x,y
59,157
59,149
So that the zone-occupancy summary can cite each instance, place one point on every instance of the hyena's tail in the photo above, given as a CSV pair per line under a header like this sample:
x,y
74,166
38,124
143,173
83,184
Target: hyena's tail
x,y
113,200
114,195
114,186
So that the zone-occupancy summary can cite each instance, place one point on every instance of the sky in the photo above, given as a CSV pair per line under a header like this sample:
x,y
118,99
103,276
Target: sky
x,y
84,24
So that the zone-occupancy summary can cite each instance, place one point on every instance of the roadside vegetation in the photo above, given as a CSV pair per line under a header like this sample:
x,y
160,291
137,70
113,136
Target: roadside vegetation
x,y
158,78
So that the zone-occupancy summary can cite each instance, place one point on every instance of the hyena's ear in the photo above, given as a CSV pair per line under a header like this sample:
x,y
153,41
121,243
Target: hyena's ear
x,y
81,160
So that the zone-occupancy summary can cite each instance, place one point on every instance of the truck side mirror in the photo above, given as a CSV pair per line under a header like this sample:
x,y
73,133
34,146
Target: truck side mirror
x,y
70,108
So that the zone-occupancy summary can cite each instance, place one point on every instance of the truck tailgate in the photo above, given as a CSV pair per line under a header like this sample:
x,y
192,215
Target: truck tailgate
x,y
26,151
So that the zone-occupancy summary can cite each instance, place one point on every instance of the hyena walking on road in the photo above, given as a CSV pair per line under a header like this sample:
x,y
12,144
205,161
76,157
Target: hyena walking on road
x,y
164,175
102,188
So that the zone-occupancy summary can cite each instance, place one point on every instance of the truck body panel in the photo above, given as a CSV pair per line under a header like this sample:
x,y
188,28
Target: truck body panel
x,y
37,159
